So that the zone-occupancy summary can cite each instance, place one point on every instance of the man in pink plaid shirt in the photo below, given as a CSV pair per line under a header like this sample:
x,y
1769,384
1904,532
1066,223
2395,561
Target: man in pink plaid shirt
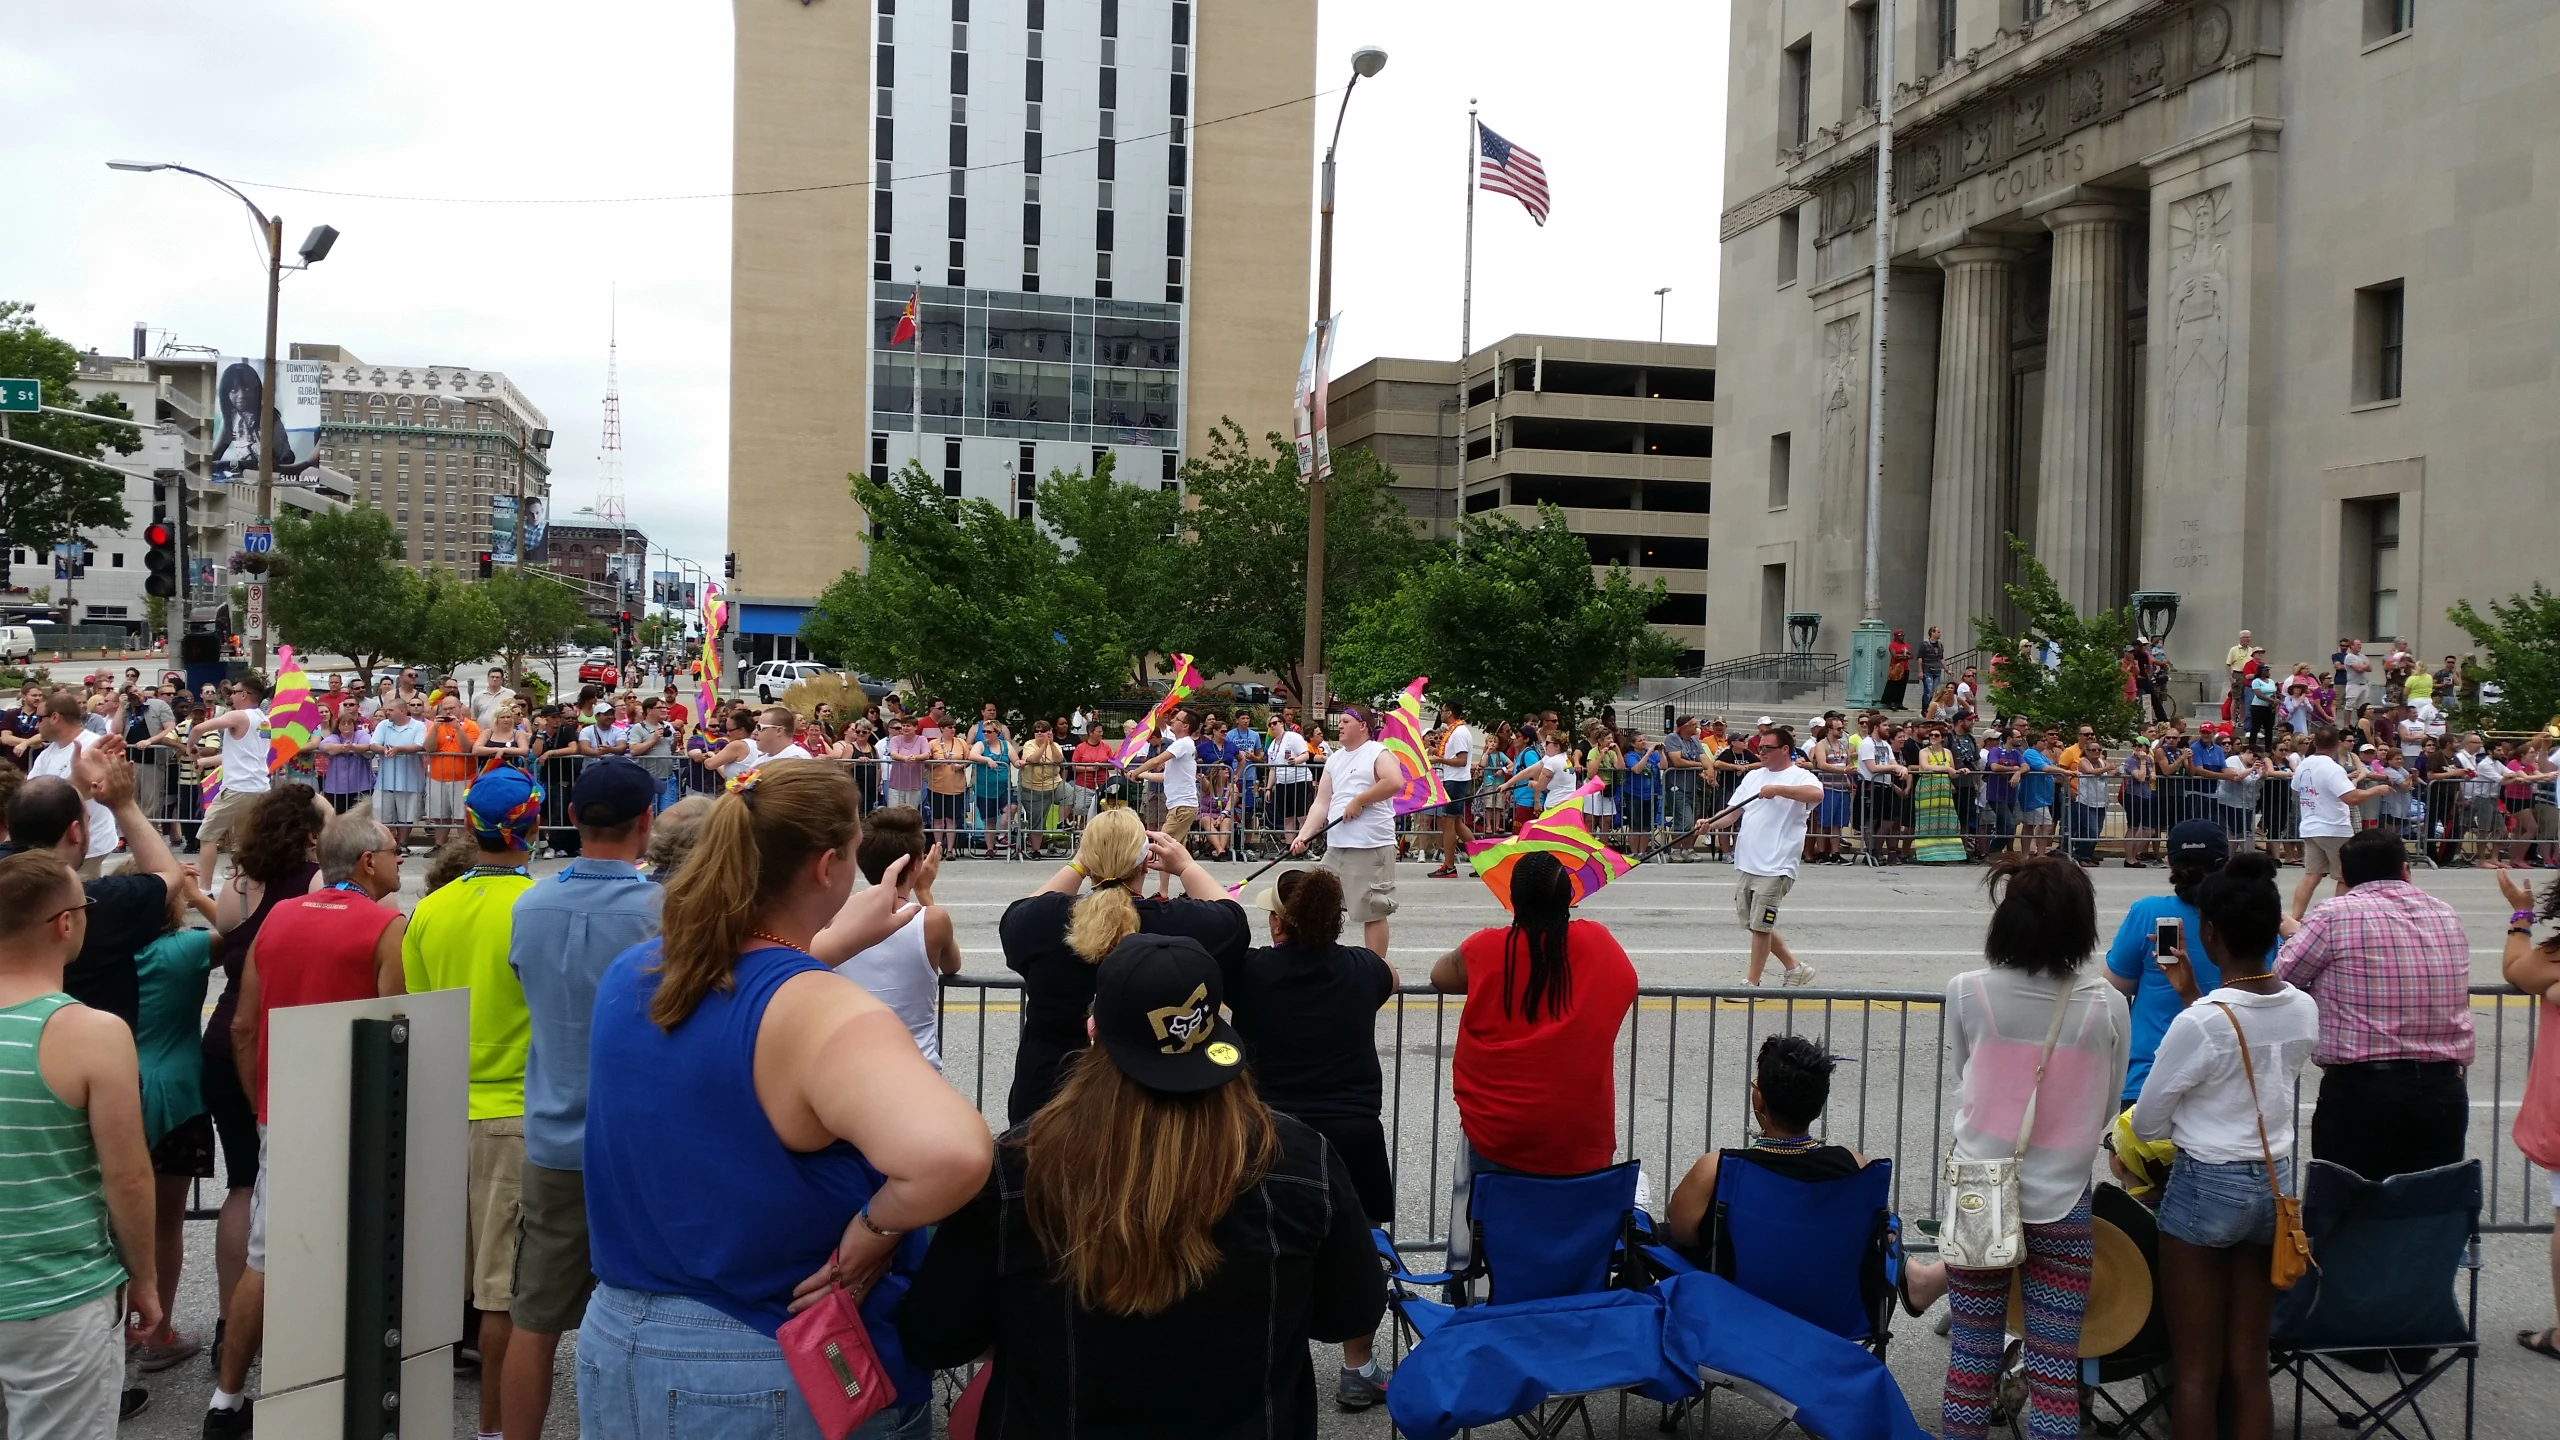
x,y
2391,969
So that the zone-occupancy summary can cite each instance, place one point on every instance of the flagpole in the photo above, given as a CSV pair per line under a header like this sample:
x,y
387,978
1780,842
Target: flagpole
x,y
917,417
1466,312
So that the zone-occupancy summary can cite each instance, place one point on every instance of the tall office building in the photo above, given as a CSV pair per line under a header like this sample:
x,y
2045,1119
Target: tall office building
x,y
1101,208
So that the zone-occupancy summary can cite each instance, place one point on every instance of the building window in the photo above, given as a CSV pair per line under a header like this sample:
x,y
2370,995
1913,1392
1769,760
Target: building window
x,y
2381,316
1862,24
1026,482
951,468
1781,462
1790,241
2031,11
1795,92
2370,605
2386,18
879,457
1946,32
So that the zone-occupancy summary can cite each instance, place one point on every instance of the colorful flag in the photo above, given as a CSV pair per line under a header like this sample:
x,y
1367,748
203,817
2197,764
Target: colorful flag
x,y
294,722
1400,730
715,613
1184,681
1503,168
906,330
1561,831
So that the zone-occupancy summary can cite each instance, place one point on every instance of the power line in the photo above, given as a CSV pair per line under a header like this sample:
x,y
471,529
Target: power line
x,y
1014,164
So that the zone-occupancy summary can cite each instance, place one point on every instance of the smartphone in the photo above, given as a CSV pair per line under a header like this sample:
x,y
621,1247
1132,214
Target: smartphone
x,y
2164,939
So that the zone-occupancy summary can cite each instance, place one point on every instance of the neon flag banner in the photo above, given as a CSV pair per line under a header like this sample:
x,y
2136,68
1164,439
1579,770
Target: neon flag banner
x,y
1400,730
294,722
1184,682
715,612
1562,831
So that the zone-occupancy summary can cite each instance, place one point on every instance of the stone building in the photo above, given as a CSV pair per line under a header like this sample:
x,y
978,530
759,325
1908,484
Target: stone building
x,y
1619,434
1102,205
2237,299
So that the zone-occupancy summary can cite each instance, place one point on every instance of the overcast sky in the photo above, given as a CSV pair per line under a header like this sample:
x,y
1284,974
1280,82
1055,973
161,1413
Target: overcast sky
x,y
549,98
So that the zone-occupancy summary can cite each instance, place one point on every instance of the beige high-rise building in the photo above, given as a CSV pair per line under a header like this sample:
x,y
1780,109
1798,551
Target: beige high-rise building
x,y
1619,434
1102,206
2242,300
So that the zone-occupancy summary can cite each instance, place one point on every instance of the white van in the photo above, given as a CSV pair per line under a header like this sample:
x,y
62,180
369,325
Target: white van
x,y
17,642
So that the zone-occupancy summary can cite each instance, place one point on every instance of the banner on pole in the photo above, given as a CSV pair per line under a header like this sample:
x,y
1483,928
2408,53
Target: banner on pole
x,y
1315,377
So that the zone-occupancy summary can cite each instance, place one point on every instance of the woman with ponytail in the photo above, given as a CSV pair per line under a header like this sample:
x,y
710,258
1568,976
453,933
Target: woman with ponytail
x,y
758,1128
1533,1077
1054,937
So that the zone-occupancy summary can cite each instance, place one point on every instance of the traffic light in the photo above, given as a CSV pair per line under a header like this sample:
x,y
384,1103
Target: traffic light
x,y
159,548
487,564
731,564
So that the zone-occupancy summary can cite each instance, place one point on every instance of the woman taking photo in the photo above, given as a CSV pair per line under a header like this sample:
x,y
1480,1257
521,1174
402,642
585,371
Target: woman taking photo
x,y
2043,928
1307,1006
1532,1075
1156,1248
1055,937
2229,1110
813,1141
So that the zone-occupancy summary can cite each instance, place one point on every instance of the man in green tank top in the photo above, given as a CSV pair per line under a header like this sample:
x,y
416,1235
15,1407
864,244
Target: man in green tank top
x,y
75,1176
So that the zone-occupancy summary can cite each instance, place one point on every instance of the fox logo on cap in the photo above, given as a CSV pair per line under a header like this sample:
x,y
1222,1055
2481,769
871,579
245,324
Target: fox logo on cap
x,y
1184,1025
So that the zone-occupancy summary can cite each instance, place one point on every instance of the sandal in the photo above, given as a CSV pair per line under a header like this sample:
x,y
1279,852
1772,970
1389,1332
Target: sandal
x,y
2540,1342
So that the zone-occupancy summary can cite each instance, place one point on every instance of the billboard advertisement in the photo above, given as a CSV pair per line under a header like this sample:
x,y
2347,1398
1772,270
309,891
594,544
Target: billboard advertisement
x,y
1315,369
536,518
502,529
241,395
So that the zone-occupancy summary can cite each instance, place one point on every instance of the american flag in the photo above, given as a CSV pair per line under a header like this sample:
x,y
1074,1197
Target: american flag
x,y
1505,169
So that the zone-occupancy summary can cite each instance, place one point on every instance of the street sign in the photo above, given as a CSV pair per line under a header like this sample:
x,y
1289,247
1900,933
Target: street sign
x,y
21,397
258,539
257,626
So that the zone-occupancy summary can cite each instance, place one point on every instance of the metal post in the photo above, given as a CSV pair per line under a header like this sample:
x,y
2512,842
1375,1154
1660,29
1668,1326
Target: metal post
x,y
1311,662
1467,308
377,1219
1869,643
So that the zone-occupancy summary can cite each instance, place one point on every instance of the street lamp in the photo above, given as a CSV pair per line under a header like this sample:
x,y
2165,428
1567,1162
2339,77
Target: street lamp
x,y
1366,61
315,248
1661,313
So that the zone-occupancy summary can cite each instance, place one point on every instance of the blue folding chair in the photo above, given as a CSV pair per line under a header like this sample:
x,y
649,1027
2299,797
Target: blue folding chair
x,y
2388,1257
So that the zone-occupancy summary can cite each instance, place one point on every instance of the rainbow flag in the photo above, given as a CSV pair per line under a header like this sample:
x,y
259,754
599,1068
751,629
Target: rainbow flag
x,y
715,613
294,722
1400,730
1186,680
1561,831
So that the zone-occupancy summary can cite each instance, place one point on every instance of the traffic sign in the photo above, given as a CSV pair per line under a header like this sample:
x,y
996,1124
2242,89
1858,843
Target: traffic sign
x,y
257,627
258,539
21,397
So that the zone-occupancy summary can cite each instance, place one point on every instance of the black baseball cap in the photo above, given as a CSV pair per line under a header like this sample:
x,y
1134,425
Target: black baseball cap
x,y
611,792
1156,1007
2199,837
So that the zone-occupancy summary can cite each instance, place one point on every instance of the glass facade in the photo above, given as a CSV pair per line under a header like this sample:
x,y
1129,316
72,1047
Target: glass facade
x,y
1030,367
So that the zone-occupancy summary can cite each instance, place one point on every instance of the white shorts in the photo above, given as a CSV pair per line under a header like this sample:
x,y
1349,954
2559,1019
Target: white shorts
x,y
60,1372
396,808
444,799
258,1209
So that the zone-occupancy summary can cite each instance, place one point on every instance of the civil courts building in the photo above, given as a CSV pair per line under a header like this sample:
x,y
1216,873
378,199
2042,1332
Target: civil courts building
x,y
1103,205
2252,301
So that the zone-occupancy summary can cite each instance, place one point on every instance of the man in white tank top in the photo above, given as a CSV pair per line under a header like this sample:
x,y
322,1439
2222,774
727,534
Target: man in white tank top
x,y
243,729
1354,802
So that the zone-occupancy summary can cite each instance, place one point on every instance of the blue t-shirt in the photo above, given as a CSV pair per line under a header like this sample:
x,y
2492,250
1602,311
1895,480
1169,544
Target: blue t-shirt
x,y
2035,788
2155,1004
568,929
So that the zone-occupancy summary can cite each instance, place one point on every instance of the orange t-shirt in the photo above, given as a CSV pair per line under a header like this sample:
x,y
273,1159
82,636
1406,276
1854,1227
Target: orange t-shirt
x,y
449,745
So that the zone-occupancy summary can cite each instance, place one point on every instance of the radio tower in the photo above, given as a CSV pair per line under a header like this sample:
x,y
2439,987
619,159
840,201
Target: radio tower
x,y
609,509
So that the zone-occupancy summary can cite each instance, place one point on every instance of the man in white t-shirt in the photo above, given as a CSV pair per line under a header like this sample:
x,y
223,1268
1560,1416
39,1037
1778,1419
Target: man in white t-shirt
x,y
1770,809
243,729
1355,797
486,705
63,726
1456,766
771,740
2327,797
2358,685
1179,763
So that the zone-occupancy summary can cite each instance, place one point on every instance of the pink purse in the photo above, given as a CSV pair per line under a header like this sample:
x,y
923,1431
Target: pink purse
x,y
831,1359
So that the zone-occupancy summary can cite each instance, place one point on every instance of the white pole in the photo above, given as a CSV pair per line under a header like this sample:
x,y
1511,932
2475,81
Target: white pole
x,y
1467,310
1874,596
917,299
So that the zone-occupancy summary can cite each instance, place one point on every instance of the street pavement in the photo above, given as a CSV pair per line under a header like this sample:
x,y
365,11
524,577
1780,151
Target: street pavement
x,y
1683,1081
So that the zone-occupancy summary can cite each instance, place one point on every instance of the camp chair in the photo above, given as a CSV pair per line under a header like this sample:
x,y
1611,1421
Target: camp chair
x,y
1828,1252
2387,1259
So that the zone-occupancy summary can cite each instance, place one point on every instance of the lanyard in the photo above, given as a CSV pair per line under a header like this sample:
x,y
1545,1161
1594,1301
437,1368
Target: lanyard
x,y
481,871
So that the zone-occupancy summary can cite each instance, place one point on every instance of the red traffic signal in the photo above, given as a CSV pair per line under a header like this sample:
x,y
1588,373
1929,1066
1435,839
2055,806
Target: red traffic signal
x,y
155,535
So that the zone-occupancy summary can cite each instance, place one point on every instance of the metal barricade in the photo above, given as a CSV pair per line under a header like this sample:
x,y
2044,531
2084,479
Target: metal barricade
x,y
1685,1056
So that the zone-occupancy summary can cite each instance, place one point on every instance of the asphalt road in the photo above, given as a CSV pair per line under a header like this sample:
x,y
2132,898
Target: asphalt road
x,y
1682,1083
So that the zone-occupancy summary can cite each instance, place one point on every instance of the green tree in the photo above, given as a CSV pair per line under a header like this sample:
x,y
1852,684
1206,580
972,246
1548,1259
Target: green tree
x,y
534,612
1514,620
2521,637
451,623
342,589
1124,542
1247,569
44,500
657,632
968,602
2087,687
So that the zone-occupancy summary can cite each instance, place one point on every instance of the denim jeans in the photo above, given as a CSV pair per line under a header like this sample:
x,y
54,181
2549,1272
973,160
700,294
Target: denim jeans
x,y
670,789
662,1367
2221,1205
2004,824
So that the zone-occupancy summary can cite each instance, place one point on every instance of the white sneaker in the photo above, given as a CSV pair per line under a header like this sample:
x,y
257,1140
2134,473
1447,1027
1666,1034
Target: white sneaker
x,y
1801,975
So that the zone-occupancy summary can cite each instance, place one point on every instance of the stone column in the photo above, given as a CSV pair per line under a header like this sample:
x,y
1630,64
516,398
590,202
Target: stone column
x,y
2080,502
1971,455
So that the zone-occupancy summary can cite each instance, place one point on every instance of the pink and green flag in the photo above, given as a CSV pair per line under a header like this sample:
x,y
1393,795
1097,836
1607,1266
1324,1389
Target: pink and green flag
x,y
294,722
1184,683
1562,831
1400,730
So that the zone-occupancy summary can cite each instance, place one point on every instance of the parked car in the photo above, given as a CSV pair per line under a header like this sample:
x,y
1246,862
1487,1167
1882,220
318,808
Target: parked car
x,y
598,669
775,676
17,642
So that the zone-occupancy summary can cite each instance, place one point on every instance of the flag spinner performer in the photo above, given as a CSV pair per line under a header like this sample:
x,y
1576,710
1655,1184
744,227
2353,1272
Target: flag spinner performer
x,y
1768,845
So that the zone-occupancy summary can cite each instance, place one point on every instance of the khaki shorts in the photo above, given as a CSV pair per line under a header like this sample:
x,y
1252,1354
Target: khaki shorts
x,y
1177,823
1368,880
229,808
553,1273
2320,854
496,1167
1756,897
445,797
396,808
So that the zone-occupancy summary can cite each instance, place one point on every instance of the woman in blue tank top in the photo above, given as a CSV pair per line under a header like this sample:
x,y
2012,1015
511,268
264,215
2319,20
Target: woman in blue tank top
x,y
757,1125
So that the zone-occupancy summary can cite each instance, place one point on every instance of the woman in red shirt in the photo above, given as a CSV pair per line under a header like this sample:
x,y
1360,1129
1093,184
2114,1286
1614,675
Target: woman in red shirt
x,y
1533,1074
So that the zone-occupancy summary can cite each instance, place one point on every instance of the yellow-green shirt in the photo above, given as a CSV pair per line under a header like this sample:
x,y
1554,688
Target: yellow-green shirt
x,y
458,940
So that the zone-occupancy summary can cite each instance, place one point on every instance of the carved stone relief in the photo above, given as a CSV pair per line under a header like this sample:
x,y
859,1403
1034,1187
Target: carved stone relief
x,y
2029,119
2199,301
2213,35
2146,62
1844,420
1976,140
2088,93
1928,167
